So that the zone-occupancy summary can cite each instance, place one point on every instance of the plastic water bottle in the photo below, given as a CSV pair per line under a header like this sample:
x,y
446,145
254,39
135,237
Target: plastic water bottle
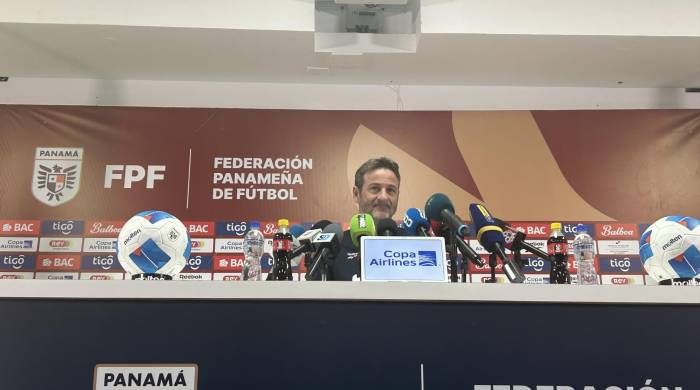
x,y
584,253
253,246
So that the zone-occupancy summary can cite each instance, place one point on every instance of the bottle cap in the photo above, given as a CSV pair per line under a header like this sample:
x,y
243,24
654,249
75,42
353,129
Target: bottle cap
x,y
556,225
283,222
254,224
581,228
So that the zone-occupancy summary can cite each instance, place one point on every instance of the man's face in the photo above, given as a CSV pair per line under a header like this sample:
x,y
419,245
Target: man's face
x,y
379,194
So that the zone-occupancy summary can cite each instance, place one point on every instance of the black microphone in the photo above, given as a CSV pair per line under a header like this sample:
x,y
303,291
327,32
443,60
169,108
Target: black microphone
x,y
327,245
490,236
441,212
515,240
387,227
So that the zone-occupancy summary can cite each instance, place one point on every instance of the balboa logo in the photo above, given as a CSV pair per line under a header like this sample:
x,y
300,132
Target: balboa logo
x,y
105,228
619,231
406,259
269,229
671,242
56,176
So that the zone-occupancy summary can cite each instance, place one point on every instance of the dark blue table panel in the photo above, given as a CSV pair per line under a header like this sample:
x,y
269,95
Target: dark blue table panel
x,y
55,344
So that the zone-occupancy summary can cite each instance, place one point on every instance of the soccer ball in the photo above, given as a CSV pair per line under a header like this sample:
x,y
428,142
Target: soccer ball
x,y
154,243
670,248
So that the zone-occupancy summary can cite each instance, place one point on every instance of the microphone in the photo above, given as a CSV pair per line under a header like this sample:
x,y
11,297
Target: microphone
x,y
440,208
361,225
297,230
387,227
321,224
490,236
441,212
416,223
327,244
515,240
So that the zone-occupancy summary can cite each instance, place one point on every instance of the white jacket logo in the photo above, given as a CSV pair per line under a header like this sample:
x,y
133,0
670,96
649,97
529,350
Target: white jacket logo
x,y
56,176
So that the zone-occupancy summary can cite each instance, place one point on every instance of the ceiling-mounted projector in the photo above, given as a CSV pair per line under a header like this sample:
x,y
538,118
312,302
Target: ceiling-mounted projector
x,y
381,2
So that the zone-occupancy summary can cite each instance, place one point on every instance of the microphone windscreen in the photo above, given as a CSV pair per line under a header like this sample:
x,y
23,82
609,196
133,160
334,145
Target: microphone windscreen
x,y
487,232
296,230
435,205
361,225
414,220
321,224
337,230
387,226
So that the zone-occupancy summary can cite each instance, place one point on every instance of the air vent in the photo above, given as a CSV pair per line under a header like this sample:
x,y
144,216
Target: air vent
x,y
355,27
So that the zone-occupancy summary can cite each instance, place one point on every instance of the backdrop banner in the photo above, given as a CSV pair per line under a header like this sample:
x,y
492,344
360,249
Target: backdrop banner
x,y
79,172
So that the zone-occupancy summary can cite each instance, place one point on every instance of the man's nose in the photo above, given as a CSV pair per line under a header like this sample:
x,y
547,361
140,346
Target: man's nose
x,y
383,194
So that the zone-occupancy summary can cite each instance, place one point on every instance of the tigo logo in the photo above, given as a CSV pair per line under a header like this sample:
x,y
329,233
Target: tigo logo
x,y
231,228
64,228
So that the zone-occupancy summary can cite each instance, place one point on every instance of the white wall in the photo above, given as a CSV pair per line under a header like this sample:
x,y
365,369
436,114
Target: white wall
x,y
557,17
54,91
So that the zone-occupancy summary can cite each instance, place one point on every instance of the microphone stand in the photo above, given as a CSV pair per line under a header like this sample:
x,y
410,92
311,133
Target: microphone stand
x,y
451,247
492,266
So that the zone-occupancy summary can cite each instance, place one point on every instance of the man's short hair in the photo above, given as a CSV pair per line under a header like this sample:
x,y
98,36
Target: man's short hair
x,y
374,164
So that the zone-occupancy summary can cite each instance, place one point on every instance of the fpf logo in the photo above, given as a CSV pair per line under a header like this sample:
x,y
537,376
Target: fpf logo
x,y
56,176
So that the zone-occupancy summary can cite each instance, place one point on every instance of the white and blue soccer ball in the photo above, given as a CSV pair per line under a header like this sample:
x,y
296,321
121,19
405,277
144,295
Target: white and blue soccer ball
x,y
153,242
670,248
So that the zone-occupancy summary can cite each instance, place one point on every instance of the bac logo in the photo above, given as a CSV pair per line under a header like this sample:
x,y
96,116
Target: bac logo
x,y
131,174
63,228
58,263
533,229
200,229
232,263
18,227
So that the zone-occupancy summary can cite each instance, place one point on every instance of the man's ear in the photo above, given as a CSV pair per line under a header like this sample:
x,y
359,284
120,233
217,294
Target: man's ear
x,y
356,194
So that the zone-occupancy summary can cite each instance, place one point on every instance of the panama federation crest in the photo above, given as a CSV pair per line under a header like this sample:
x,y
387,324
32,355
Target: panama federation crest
x,y
56,177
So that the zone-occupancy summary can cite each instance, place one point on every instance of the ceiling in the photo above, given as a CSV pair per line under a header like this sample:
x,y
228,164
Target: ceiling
x,y
225,55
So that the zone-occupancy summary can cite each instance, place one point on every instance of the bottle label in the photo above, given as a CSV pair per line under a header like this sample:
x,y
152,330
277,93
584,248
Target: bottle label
x,y
285,245
557,248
